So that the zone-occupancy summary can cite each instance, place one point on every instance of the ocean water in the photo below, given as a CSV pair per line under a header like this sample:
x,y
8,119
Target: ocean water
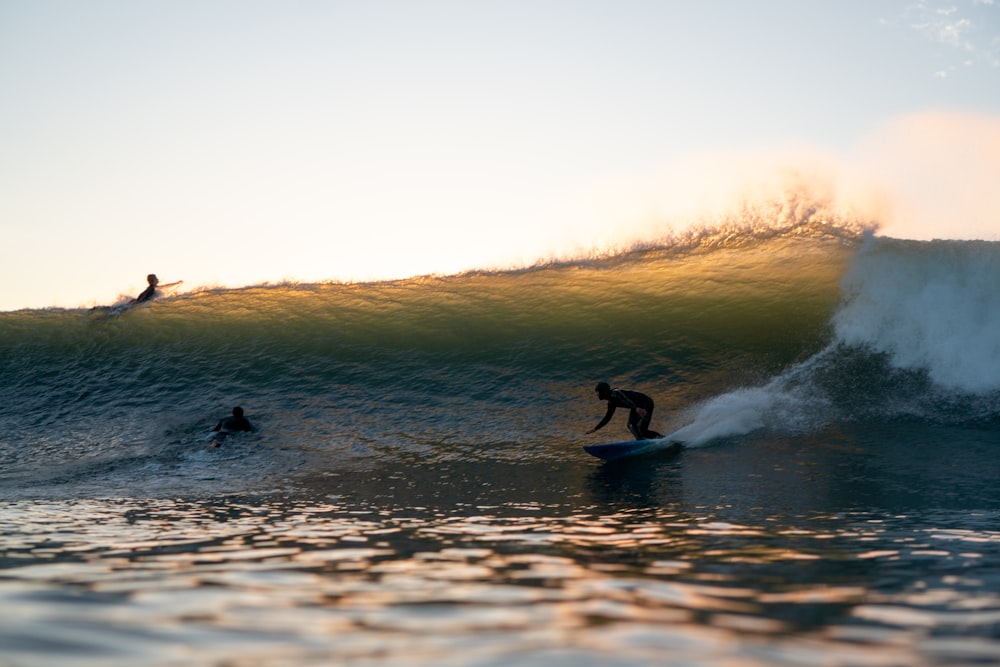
x,y
416,492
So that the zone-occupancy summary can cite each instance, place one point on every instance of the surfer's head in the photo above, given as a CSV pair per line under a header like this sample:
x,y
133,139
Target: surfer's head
x,y
237,411
152,279
603,390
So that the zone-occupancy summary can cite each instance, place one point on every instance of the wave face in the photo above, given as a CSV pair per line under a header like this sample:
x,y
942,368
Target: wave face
x,y
789,331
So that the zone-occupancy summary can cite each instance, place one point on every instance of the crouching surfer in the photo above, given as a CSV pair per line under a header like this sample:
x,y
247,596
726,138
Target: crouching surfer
x,y
639,405
235,423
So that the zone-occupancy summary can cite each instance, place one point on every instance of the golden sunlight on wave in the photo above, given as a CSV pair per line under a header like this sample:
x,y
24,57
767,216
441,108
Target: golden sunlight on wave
x,y
922,176
716,195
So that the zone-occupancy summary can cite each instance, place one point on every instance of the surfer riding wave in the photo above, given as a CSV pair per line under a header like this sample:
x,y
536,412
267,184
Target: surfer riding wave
x,y
640,408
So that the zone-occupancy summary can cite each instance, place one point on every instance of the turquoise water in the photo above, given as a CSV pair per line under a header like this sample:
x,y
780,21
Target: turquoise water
x,y
417,493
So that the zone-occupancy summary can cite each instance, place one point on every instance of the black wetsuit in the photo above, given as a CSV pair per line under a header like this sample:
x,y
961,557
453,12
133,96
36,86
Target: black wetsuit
x,y
147,294
233,424
639,426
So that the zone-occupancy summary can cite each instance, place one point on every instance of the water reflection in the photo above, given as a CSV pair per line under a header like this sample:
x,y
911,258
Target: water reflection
x,y
645,481
269,581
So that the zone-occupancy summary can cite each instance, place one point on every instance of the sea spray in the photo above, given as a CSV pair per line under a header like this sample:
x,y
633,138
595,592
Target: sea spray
x,y
790,402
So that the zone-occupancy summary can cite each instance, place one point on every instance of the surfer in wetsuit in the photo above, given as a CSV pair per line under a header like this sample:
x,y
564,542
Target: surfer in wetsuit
x,y
149,293
228,425
639,405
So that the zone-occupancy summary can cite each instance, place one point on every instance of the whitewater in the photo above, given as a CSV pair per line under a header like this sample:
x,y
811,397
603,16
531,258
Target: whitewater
x,y
926,312
416,491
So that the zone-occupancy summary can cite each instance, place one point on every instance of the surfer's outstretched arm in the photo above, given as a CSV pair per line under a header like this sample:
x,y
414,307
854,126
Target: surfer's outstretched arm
x,y
607,417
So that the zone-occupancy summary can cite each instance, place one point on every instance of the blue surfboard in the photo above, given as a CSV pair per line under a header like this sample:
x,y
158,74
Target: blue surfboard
x,y
613,451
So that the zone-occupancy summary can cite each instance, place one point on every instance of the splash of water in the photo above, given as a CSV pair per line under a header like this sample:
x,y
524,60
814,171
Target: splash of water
x,y
927,310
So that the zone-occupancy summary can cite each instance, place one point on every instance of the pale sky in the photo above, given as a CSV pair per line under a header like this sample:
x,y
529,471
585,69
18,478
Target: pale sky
x,y
238,142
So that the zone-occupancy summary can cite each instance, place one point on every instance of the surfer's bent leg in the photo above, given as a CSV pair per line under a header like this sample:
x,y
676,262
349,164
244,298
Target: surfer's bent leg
x,y
635,424
639,426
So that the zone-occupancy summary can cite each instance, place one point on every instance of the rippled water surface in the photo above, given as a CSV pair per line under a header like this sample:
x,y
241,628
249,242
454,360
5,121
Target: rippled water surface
x,y
271,580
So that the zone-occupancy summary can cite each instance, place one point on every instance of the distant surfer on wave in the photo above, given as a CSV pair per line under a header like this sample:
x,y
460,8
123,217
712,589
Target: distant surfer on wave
x,y
229,425
149,293
639,405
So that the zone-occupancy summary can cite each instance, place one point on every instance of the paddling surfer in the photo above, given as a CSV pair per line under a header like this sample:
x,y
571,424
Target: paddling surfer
x,y
149,293
639,405
228,425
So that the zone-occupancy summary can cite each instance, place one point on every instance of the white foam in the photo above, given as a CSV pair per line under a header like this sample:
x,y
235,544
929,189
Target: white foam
x,y
932,307
928,306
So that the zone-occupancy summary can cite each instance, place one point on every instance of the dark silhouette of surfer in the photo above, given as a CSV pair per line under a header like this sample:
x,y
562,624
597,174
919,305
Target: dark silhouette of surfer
x,y
639,405
228,425
149,293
